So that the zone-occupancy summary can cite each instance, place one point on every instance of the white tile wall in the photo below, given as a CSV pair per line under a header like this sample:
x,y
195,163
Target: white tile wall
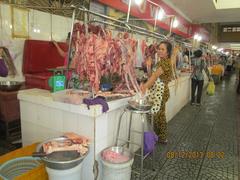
x,y
102,126
56,119
43,116
28,111
102,144
28,130
6,22
180,93
39,21
60,27
70,122
86,126
87,173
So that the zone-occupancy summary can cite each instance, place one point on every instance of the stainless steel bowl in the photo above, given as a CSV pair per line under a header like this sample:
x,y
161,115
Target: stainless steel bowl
x,y
63,159
10,85
120,150
146,106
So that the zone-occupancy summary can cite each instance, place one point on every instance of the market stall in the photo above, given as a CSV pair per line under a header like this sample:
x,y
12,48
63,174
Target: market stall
x,y
98,54
49,118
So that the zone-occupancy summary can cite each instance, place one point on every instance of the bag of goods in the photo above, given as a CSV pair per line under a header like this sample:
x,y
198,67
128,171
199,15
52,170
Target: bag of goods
x,y
211,88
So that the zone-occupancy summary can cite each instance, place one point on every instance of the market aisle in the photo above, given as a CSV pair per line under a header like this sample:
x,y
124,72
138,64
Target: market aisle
x,y
210,130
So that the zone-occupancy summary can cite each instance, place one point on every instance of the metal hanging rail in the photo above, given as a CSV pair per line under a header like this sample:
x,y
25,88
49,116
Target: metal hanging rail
x,y
129,26
122,27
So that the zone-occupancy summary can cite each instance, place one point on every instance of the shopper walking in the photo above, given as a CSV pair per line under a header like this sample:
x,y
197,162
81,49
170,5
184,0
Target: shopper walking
x,y
237,65
199,65
161,76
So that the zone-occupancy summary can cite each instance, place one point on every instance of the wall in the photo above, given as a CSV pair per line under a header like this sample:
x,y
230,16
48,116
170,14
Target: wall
x,y
52,27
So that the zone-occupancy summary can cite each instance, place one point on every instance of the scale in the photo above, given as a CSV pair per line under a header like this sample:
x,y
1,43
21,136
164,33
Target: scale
x,y
58,80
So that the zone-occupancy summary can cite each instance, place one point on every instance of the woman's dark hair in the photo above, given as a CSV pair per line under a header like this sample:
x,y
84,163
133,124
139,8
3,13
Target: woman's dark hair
x,y
168,46
198,53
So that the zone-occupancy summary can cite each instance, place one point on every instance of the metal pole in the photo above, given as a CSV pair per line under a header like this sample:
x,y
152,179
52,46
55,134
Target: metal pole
x,y
171,26
129,9
155,20
70,45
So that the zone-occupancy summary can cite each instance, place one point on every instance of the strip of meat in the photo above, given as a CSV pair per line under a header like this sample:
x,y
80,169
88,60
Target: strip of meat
x,y
54,147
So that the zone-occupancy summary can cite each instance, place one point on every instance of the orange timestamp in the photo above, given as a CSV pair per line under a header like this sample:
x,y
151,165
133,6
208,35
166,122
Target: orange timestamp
x,y
195,154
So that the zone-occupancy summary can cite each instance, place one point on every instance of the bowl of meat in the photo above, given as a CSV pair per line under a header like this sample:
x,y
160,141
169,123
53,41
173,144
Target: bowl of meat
x,y
116,155
63,153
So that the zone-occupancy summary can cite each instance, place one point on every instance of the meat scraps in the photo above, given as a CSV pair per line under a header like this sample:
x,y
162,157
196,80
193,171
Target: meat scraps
x,y
73,143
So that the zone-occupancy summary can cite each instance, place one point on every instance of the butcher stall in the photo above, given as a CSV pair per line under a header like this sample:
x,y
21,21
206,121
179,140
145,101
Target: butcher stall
x,y
105,66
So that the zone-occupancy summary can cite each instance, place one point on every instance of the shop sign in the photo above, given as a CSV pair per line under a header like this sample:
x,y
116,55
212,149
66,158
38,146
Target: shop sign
x,y
148,11
231,29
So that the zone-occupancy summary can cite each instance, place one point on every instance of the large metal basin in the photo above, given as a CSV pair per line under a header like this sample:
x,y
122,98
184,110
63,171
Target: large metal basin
x,y
61,160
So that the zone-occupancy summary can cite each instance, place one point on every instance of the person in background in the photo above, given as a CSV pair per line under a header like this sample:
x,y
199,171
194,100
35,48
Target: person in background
x,y
199,65
7,66
61,52
163,71
229,64
237,66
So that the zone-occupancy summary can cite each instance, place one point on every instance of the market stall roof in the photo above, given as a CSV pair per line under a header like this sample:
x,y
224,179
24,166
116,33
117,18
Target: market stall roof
x,y
205,11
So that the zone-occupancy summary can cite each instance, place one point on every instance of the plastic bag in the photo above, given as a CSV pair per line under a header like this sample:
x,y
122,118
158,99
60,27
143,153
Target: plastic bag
x,y
211,88
150,140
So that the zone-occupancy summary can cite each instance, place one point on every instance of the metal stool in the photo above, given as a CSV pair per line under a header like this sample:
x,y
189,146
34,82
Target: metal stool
x,y
143,115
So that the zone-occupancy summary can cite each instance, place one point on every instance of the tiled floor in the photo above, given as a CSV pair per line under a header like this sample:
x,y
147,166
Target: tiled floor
x,y
211,131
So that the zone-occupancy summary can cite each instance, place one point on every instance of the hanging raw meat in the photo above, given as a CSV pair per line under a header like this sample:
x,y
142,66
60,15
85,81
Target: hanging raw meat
x,y
98,54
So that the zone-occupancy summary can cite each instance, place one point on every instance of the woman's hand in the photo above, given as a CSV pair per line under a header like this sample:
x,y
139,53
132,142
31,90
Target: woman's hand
x,y
55,43
60,51
143,89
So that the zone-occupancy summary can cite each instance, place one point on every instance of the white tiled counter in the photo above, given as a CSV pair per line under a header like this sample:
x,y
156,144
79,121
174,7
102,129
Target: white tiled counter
x,y
42,118
180,95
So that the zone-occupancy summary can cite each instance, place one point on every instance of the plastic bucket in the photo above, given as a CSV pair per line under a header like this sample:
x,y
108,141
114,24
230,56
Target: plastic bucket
x,y
68,174
117,171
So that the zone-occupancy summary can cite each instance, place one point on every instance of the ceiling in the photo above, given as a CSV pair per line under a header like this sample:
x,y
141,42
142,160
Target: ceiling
x,y
204,11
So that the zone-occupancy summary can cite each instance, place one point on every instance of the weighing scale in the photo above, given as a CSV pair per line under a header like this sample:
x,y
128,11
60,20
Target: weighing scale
x,y
58,80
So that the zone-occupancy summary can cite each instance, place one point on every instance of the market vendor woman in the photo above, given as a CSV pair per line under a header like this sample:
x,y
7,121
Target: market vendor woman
x,y
158,89
7,67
